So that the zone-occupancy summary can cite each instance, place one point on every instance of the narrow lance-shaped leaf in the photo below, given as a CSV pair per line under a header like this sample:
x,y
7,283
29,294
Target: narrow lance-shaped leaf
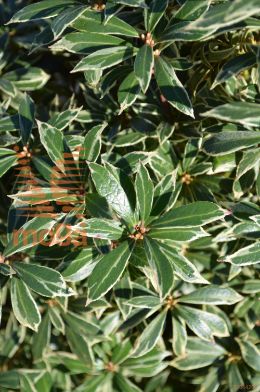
x,y
80,42
198,354
143,66
233,67
191,215
24,306
150,335
42,338
124,384
92,21
227,142
101,228
154,13
30,234
213,295
244,113
109,187
52,140
203,324
105,58
245,256
43,280
64,19
26,117
144,193
78,265
41,10
171,88
182,267
183,234
128,91
250,354
92,143
133,3
179,336
223,15
234,377
160,266
28,79
108,271
192,10
6,163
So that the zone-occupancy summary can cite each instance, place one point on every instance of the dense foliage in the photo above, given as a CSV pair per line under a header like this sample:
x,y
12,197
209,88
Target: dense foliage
x,y
130,184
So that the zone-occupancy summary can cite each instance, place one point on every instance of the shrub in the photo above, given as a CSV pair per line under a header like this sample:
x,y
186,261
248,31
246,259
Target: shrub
x,y
130,219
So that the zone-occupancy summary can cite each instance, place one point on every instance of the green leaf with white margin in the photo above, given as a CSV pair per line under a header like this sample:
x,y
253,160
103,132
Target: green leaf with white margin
x,y
9,123
10,379
178,234
92,21
150,335
124,384
199,354
52,140
27,385
101,228
144,192
56,319
108,271
153,15
62,120
182,267
143,66
122,352
128,91
203,324
250,159
78,265
234,377
160,265
245,256
6,163
222,15
179,336
227,142
133,3
24,306
8,87
93,384
80,345
105,58
65,18
26,117
41,339
28,79
244,113
43,280
41,10
110,188
144,301
191,10
250,354
191,215
91,146
233,67
213,295
171,88
83,43
30,234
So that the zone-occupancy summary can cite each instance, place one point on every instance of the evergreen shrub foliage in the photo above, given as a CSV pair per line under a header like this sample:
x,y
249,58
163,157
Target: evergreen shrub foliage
x,y
130,184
